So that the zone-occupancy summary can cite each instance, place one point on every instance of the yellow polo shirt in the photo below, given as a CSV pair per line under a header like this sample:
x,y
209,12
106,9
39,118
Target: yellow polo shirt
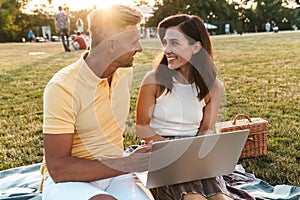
x,y
77,101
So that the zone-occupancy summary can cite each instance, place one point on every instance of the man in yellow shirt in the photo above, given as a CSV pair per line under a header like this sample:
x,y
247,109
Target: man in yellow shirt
x,y
85,109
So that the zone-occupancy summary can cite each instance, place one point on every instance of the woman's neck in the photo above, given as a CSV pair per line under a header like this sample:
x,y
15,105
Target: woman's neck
x,y
183,75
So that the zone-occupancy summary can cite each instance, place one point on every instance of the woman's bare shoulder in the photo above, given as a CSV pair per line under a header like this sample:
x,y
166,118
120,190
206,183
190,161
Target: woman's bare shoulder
x,y
218,85
149,78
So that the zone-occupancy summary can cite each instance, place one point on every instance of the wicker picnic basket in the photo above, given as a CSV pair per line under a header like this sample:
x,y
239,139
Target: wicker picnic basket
x,y
256,144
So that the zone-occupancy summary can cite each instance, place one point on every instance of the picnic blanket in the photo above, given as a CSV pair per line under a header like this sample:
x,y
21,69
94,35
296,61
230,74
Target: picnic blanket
x,y
22,183
257,188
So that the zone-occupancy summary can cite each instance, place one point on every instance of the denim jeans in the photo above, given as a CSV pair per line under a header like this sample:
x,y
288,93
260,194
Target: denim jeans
x,y
65,41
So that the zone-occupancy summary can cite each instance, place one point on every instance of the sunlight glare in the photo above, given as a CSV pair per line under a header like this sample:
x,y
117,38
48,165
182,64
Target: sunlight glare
x,y
89,4
106,3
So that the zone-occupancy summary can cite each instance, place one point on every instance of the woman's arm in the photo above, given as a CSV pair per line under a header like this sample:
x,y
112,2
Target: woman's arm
x,y
144,108
213,101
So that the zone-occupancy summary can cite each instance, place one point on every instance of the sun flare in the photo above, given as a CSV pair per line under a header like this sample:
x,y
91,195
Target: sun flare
x,y
89,4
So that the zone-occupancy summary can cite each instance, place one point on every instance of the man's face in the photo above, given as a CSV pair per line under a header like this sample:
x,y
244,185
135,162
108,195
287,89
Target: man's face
x,y
125,45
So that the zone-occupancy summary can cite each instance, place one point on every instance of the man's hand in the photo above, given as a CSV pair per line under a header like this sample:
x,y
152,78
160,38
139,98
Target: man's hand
x,y
137,161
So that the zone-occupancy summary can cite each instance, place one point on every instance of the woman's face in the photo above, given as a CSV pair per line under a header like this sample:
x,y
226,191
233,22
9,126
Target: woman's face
x,y
177,48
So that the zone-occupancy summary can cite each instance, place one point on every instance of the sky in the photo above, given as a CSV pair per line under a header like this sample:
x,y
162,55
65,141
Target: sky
x,y
75,5
81,4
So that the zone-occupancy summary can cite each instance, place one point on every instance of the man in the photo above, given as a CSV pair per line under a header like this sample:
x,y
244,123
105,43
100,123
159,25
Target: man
x,y
31,36
79,42
62,26
85,109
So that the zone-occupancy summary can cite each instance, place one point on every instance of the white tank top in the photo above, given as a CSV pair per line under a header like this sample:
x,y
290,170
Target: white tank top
x,y
178,113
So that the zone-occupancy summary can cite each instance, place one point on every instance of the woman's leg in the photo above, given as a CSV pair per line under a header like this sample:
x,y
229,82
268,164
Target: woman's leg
x,y
103,197
220,197
193,197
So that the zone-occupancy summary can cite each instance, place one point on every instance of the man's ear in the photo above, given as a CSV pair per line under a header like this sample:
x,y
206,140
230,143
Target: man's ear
x,y
197,47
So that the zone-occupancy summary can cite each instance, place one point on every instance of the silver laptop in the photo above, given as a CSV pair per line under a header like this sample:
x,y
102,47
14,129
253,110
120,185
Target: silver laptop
x,y
193,158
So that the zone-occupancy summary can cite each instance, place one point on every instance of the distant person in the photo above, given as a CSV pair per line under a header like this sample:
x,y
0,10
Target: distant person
x,y
47,37
87,38
294,27
79,25
274,27
79,42
62,26
31,36
268,27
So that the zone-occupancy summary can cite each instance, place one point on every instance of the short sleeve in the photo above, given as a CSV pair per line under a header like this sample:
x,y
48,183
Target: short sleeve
x,y
58,110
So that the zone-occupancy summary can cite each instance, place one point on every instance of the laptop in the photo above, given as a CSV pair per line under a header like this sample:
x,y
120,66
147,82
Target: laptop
x,y
193,158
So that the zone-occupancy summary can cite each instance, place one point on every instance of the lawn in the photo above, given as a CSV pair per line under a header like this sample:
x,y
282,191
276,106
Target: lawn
x,y
261,74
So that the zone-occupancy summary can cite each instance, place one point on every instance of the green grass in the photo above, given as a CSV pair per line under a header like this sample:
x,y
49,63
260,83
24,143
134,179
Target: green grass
x,y
261,74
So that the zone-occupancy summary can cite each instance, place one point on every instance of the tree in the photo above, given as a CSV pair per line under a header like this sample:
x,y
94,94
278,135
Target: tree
x,y
276,11
9,16
164,9
211,11
243,15
74,15
141,3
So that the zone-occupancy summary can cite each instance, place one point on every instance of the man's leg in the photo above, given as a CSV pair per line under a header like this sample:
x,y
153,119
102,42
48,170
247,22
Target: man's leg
x,y
76,46
67,49
193,197
72,190
128,186
63,41
67,35
220,197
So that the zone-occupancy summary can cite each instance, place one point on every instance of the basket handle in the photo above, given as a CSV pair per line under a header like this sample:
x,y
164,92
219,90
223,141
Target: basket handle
x,y
241,115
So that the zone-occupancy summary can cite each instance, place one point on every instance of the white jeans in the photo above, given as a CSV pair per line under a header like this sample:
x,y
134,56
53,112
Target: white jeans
x,y
124,187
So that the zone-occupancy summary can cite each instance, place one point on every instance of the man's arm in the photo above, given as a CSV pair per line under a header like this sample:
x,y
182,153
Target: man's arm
x,y
69,22
56,24
74,40
63,167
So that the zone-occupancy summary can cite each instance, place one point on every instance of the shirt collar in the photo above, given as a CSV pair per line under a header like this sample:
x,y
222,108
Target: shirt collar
x,y
91,78
86,73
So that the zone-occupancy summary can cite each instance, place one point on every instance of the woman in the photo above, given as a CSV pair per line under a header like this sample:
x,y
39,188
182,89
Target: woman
x,y
181,98
79,25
